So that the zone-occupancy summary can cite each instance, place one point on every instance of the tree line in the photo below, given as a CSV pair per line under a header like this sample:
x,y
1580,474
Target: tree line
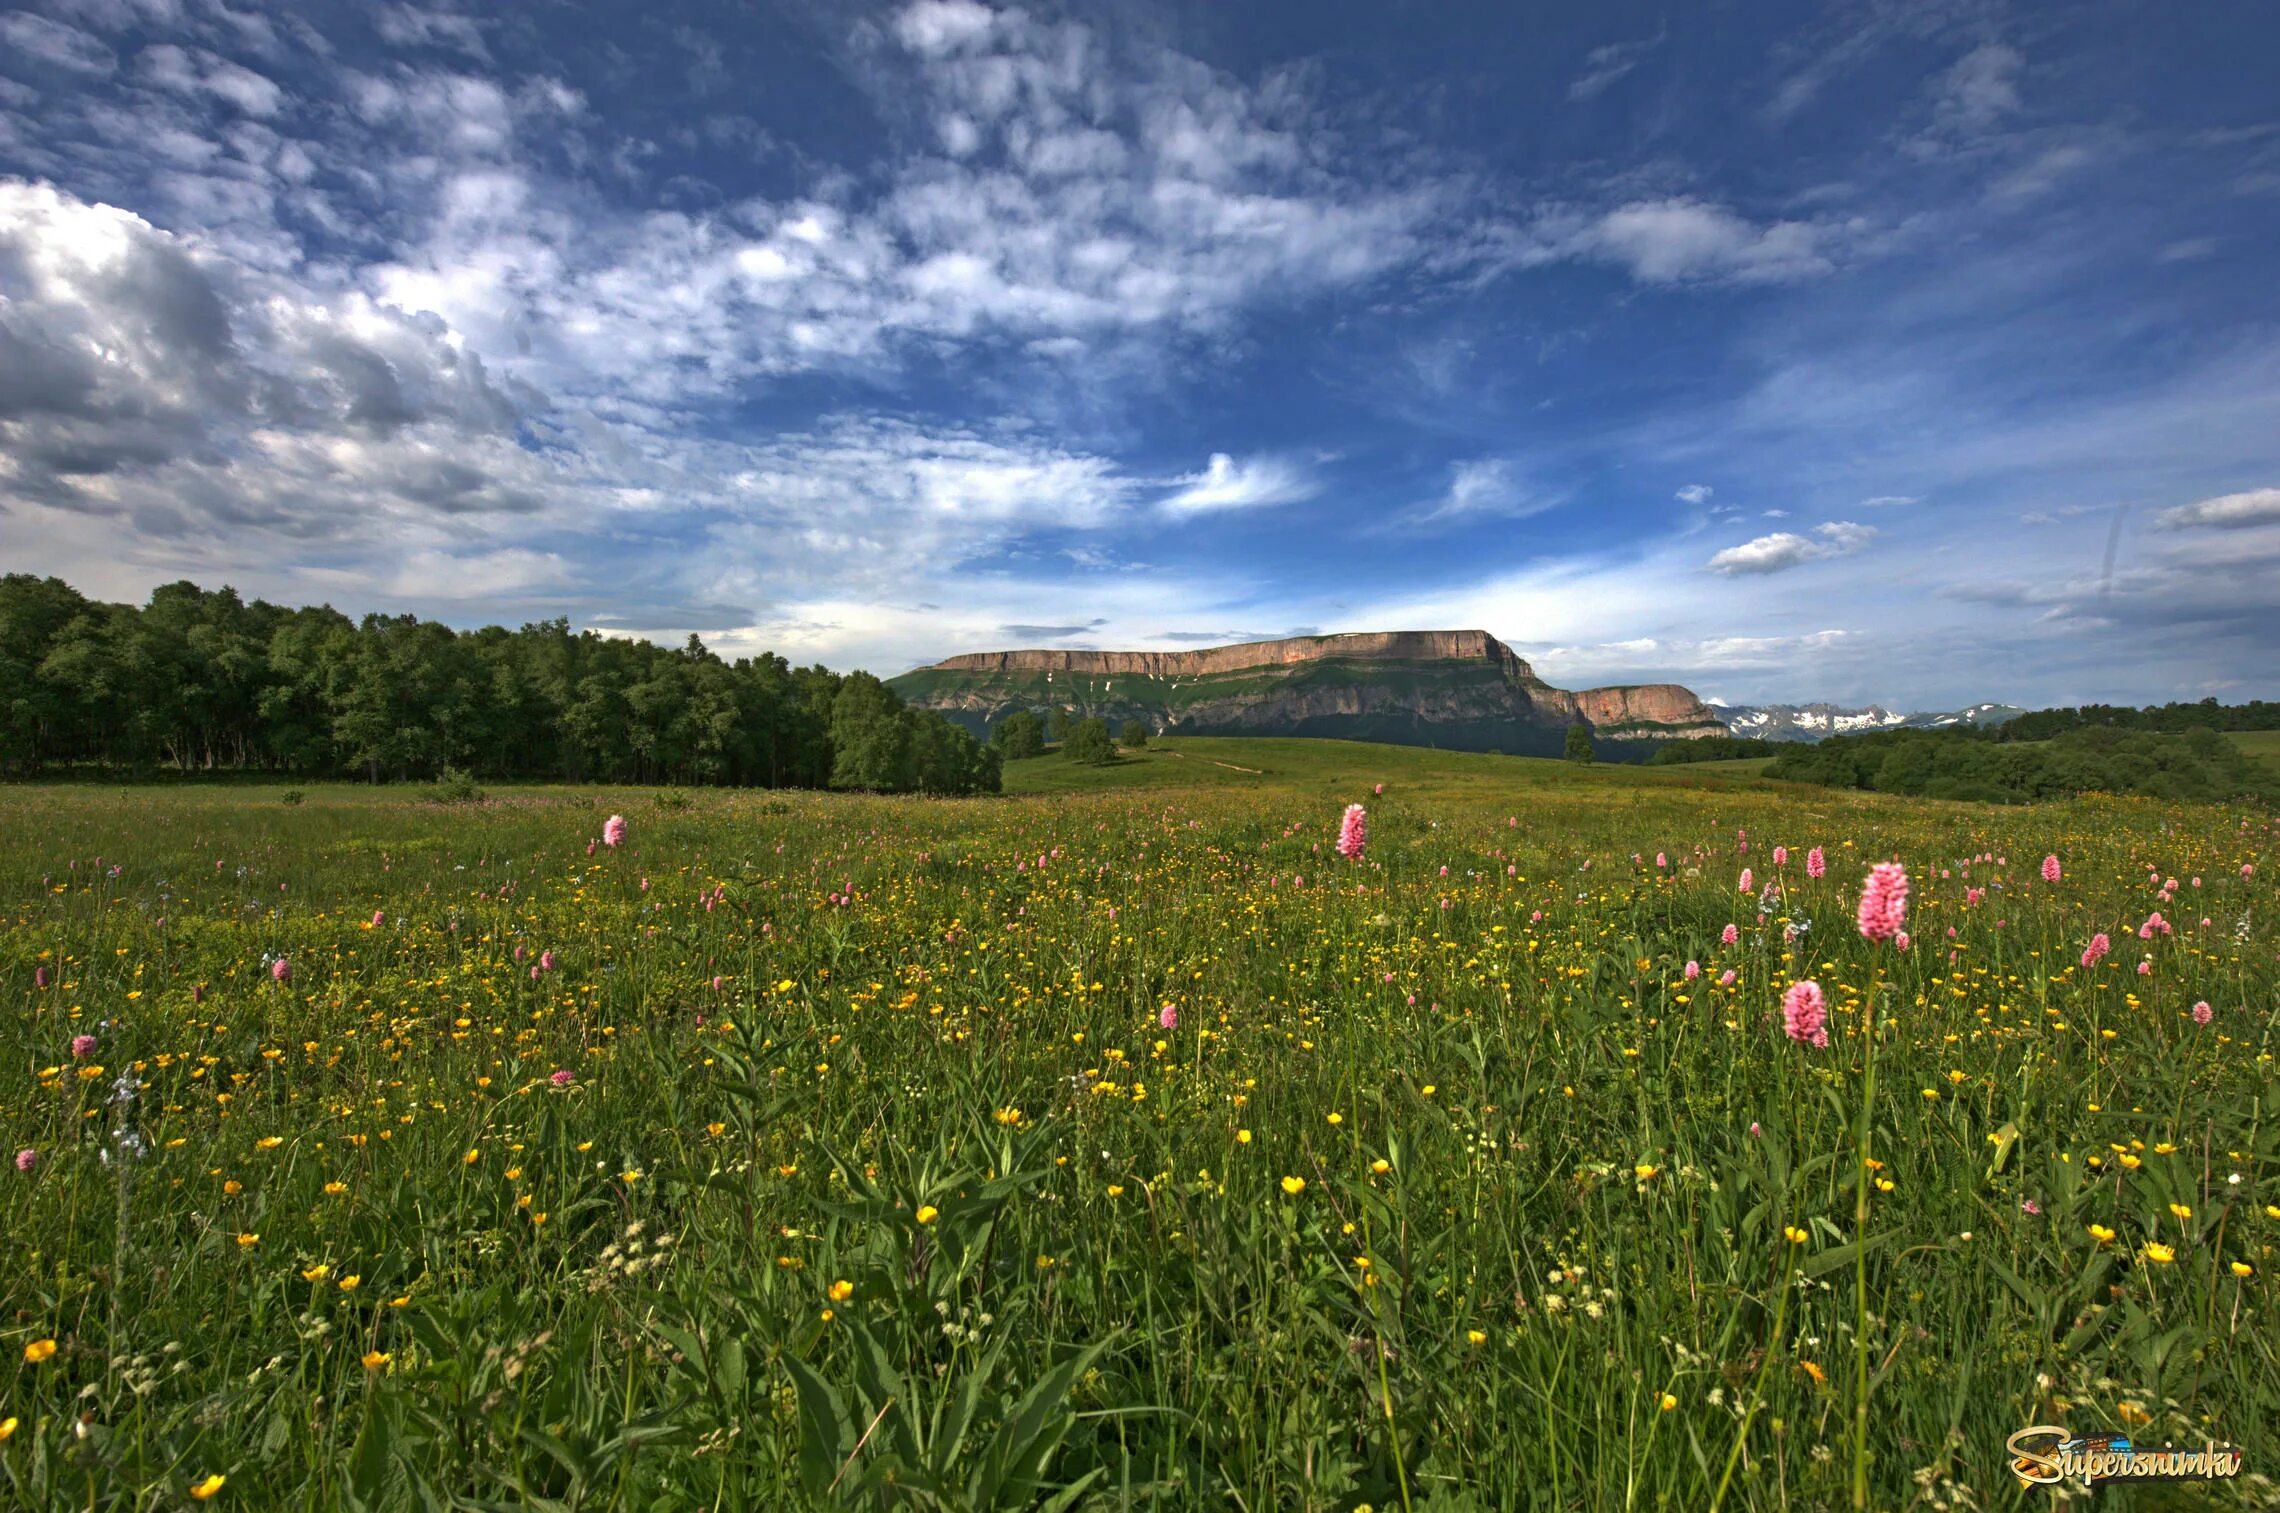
x,y
1966,762
1715,748
199,681
2172,719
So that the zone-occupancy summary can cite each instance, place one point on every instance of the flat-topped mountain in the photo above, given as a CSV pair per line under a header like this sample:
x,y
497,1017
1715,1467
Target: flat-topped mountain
x,y
1458,689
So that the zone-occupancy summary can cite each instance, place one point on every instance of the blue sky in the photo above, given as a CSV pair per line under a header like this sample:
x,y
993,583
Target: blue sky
x,y
1913,352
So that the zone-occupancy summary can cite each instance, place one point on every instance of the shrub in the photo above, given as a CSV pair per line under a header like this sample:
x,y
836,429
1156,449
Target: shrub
x,y
454,785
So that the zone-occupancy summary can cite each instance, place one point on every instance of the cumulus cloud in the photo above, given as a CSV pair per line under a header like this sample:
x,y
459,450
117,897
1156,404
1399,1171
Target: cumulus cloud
x,y
1675,240
937,27
1695,493
1226,484
1048,197
2225,511
141,372
1786,549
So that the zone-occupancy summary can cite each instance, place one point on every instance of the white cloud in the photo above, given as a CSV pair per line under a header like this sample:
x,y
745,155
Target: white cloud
x,y
2225,511
1674,240
935,27
194,70
1977,92
53,42
1889,501
1482,487
1786,549
1695,493
411,26
1226,484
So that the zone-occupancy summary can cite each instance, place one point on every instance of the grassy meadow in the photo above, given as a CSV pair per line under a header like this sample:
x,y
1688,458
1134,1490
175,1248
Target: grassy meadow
x,y
1116,1143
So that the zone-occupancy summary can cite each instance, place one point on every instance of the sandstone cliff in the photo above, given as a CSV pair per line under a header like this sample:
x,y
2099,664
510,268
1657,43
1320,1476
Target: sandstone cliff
x,y
1461,689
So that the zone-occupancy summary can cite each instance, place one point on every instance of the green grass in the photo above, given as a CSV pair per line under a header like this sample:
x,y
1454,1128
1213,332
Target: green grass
x,y
2264,745
1446,1186
1320,767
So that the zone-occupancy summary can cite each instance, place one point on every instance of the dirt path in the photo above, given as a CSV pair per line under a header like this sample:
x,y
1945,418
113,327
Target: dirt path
x,y
1214,761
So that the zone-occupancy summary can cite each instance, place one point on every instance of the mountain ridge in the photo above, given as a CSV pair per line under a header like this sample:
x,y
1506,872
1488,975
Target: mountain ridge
x,y
1818,720
1460,689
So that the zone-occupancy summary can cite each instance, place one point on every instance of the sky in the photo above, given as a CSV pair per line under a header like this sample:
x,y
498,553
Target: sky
x,y
1923,352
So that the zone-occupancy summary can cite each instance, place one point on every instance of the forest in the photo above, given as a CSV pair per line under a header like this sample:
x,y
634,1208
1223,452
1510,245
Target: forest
x,y
2171,719
1967,762
199,681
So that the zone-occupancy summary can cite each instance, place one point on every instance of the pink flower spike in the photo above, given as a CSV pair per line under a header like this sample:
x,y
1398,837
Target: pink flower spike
x,y
1805,1013
1168,1017
1884,901
83,1046
2096,951
1353,832
613,831
1816,864
560,1078
1729,935
26,1160
2202,1013
281,970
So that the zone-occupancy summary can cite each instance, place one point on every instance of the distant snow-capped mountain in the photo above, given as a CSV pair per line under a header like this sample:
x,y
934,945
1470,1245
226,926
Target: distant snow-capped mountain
x,y
1812,722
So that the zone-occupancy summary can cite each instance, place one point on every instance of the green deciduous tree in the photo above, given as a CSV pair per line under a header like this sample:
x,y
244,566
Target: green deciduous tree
x,y
1089,743
1020,734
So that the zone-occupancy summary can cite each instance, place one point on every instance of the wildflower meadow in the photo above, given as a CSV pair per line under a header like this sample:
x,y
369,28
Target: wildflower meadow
x,y
1394,1131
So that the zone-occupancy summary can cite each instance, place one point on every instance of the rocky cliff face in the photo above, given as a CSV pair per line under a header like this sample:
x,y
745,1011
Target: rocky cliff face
x,y
1376,646
1461,689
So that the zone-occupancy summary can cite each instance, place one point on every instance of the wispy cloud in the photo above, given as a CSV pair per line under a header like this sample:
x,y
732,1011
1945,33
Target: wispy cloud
x,y
1226,484
1602,66
2225,511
